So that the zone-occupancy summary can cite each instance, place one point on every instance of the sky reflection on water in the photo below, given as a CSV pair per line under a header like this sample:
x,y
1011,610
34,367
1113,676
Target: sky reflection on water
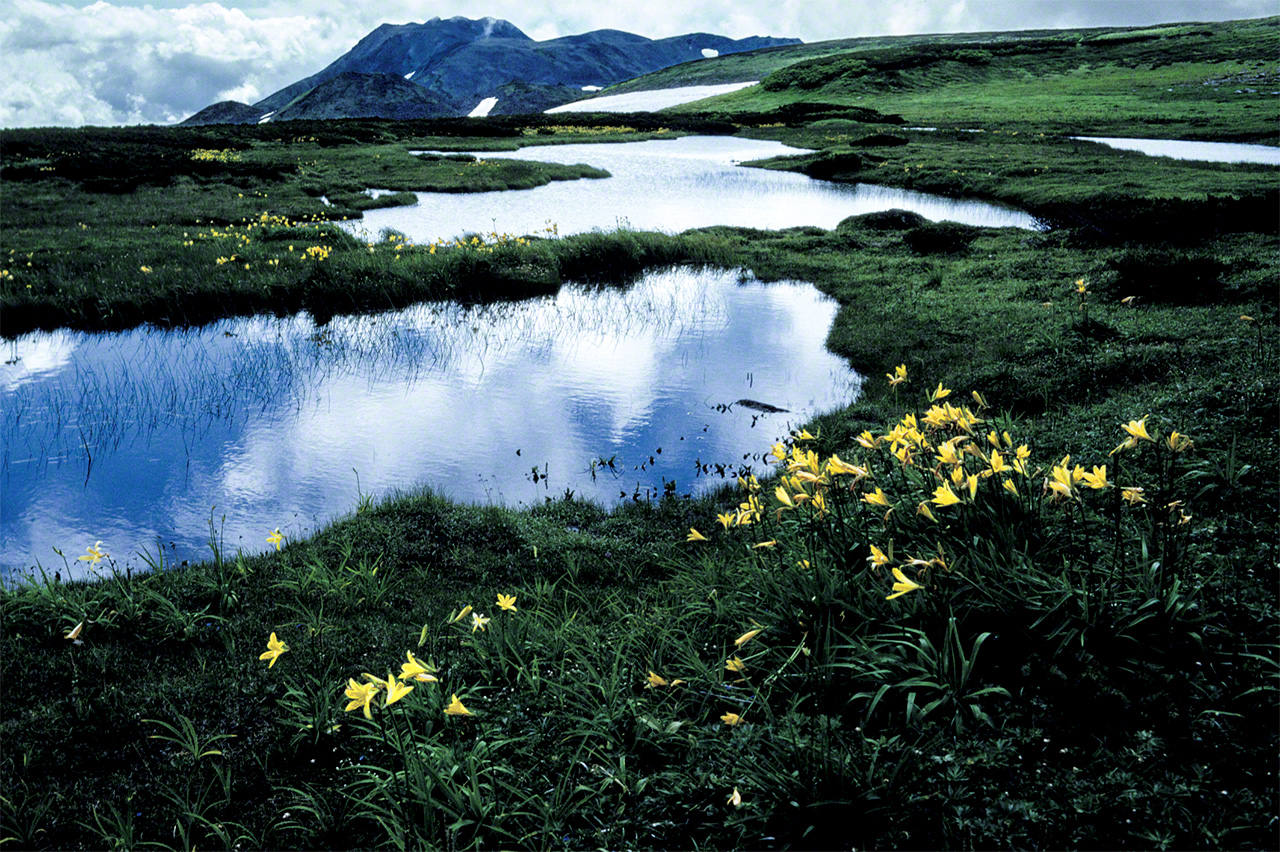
x,y
133,436
669,185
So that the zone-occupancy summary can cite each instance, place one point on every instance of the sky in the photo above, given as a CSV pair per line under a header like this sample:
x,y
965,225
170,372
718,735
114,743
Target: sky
x,y
157,62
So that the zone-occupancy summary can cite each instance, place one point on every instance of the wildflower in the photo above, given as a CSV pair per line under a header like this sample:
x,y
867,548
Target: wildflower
x,y
1132,496
414,670
395,690
736,665
507,602
944,496
1098,479
656,679
694,535
805,436
735,798
726,519
455,708
837,467
939,393
747,637
973,486
783,497
731,719
275,538
274,649
923,509
876,498
866,439
1010,487
903,585
1178,442
773,542
898,376
877,557
466,610
1081,287
478,622
997,463
978,398
1128,300
146,270
95,554
74,633
1137,429
360,694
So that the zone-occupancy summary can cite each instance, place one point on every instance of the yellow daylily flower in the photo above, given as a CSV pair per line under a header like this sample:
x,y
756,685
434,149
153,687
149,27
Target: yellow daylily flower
x,y
898,376
1010,487
944,496
478,622
923,509
979,398
275,538
726,519
877,557
773,542
940,393
361,694
1137,429
1178,442
783,497
74,633
903,585
1098,479
747,637
1132,496
736,665
274,649
735,798
94,555
507,603
395,690
655,680
414,670
731,719
456,708
694,535
876,498
466,610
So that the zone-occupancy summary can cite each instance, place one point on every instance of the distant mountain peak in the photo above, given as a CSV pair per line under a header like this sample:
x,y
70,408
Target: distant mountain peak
x,y
459,62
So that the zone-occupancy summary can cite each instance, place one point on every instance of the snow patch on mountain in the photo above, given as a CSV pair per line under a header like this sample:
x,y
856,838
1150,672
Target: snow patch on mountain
x,y
651,101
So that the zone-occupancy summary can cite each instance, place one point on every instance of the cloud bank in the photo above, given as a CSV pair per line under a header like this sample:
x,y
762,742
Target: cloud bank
x,y
128,63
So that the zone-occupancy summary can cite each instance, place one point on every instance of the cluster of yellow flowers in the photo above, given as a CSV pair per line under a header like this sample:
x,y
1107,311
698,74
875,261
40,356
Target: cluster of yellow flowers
x,y
734,665
361,695
216,155
316,252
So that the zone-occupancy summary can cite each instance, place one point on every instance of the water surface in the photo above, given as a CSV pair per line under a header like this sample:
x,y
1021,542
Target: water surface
x,y
148,434
669,185
1212,152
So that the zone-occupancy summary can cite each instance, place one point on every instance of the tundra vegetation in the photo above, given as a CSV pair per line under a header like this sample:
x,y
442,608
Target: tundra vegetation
x,y
1021,594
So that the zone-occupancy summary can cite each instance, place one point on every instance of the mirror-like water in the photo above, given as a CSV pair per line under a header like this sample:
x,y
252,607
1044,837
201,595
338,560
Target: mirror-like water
x,y
142,435
1212,152
669,185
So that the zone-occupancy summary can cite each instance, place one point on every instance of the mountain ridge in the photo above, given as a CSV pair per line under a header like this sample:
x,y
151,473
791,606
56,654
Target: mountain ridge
x,y
461,61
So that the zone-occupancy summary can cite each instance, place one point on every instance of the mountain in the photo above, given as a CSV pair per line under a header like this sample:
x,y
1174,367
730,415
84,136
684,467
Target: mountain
x,y
355,95
225,112
461,61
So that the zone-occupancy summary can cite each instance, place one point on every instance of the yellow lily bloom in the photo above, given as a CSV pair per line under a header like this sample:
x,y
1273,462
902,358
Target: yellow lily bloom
x,y
898,376
944,496
940,393
466,610
694,535
783,497
1132,496
507,602
361,694
455,707
923,509
274,649
1178,442
877,557
1098,479
747,637
95,554
726,519
736,665
478,622
731,719
395,690
1010,487
1137,429
876,498
903,585
414,670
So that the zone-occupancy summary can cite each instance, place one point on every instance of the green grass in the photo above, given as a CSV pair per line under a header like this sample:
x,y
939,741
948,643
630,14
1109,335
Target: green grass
x,y
1075,672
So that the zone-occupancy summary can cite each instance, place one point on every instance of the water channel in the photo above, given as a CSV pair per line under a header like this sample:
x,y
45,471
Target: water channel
x,y
146,435
670,185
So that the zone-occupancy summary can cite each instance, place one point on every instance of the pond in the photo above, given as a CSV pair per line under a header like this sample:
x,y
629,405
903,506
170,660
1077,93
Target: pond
x,y
669,185
612,393
1211,152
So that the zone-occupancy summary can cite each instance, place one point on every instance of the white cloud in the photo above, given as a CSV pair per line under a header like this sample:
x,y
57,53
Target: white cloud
x,y
131,61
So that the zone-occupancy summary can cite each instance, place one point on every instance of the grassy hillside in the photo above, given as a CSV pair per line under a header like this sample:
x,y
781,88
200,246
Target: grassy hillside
x,y
1192,81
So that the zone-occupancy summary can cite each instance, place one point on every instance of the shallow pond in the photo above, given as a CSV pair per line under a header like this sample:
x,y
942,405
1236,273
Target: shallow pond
x,y
669,185
145,435
1212,152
